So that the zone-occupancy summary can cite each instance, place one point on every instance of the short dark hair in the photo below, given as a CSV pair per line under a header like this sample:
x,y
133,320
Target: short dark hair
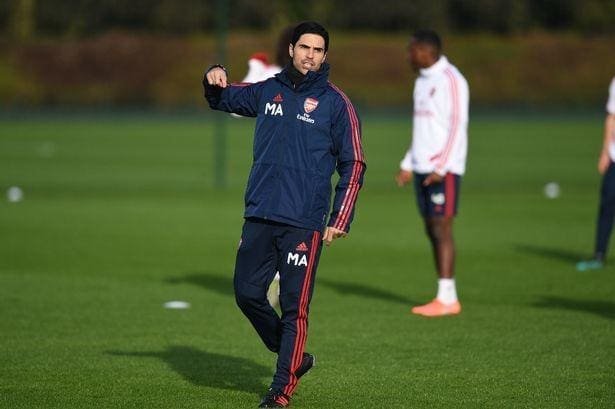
x,y
310,27
428,37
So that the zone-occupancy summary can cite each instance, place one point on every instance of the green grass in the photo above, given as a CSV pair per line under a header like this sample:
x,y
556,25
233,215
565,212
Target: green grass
x,y
119,216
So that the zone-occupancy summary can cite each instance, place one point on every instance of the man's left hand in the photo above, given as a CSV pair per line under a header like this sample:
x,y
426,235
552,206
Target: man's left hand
x,y
331,233
433,179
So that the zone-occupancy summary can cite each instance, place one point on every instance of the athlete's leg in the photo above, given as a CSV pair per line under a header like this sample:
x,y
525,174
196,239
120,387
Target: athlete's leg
x,y
606,213
299,252
438,207
254,269
440,212
441,235
429,230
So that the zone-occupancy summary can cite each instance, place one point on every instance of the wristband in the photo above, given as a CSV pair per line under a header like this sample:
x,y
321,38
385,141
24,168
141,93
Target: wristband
x,y
217,66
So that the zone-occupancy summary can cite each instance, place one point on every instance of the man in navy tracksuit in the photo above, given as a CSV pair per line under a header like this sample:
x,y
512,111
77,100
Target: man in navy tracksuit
x,y
306,128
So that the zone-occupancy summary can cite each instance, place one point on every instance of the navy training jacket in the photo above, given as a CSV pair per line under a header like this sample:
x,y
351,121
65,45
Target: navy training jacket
x,y
302,136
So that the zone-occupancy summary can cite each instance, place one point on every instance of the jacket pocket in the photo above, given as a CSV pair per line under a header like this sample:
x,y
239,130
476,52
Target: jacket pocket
x,y
322,200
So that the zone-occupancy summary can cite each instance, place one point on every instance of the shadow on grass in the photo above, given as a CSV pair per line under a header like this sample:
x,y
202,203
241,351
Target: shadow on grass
x,y
214,282
551,252
363,291
224,285
209,369
604,309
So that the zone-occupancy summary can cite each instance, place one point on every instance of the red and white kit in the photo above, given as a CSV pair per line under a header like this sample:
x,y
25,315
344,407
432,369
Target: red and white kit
x,y
440,128
259,68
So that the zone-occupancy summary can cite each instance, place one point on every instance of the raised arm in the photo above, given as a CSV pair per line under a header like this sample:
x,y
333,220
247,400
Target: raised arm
x,y
238,98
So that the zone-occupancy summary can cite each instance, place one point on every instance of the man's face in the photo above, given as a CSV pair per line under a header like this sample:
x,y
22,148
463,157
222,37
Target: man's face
x,y
419,55
308,54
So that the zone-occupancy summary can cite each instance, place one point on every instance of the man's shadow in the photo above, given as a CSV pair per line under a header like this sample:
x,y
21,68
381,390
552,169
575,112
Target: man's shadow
x,y
215,282
363,291
224,285
605,309
209,369
564,255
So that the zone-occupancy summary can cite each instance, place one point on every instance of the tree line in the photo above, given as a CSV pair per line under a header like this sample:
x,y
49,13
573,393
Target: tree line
x,y
29,18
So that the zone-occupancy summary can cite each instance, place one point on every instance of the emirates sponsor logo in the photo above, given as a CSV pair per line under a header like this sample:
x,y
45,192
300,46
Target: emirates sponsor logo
x,y
305,118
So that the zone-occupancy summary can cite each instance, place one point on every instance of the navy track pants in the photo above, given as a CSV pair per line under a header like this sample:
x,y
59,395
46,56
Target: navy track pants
x,y
267,247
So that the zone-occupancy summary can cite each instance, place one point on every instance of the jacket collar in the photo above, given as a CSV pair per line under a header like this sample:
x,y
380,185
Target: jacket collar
x,y
437,67
313,79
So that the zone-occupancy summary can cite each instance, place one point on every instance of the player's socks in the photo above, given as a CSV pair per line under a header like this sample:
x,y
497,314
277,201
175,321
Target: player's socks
x,y
447,292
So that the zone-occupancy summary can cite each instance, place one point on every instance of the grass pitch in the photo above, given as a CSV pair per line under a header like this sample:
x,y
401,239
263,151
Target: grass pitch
x,y
119,216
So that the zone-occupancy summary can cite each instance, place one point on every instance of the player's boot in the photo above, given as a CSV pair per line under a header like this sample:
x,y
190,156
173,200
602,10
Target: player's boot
x,y
273,293
594,264
274,399
437,309
307,363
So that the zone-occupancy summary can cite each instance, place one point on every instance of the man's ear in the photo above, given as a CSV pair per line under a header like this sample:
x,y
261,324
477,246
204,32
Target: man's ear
x,y
324,58
290,50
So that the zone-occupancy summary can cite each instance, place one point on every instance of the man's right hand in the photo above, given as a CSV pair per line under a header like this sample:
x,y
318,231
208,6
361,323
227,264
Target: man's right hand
x,y
216,76
403,177
331,233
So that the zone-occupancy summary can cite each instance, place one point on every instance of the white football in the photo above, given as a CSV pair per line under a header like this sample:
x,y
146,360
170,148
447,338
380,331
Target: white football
x,y
177,305
14,194
552,190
